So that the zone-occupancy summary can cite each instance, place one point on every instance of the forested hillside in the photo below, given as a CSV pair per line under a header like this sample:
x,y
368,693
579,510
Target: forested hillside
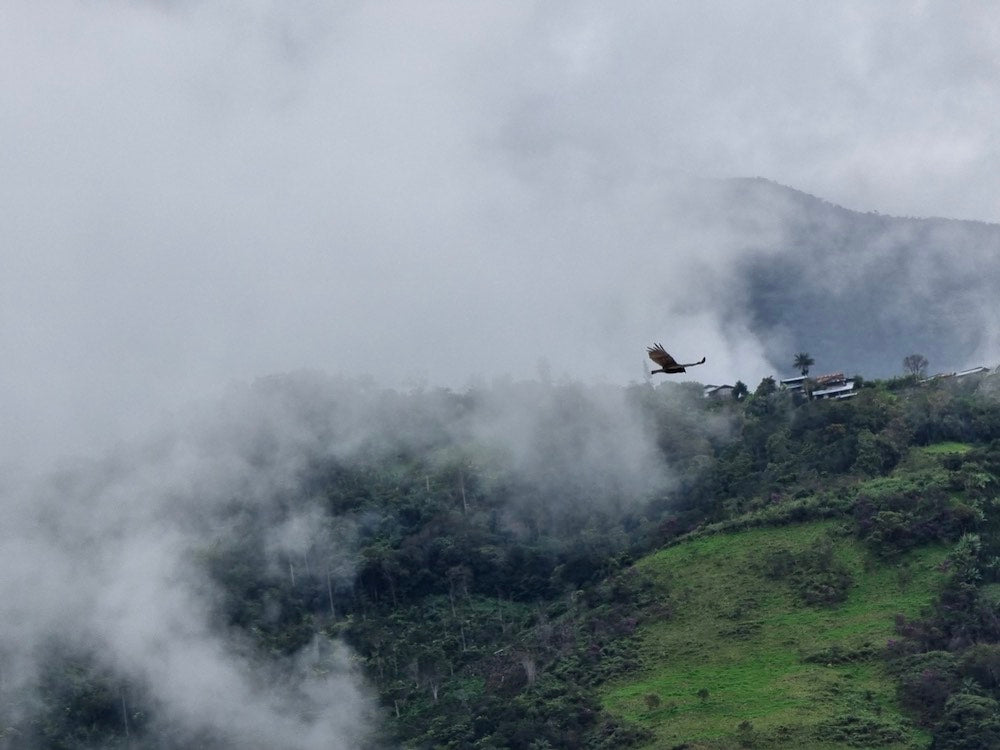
x,y
538,565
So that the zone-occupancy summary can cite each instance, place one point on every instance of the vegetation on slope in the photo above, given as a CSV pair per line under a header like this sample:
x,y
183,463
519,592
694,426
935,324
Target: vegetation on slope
x,y
777,640
792,570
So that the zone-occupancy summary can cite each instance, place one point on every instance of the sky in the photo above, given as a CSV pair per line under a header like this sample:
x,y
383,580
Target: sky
x,y
199,193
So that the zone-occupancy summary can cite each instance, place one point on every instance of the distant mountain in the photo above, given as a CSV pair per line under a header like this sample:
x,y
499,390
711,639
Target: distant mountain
x,y
858,291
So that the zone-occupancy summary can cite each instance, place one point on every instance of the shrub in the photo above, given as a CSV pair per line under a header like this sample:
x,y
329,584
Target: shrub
x,y
927,680
970,722
860,730
816,575
982,663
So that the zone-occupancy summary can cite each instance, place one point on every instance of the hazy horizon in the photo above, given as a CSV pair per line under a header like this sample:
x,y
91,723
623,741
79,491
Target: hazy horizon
x,y
199,194
203,193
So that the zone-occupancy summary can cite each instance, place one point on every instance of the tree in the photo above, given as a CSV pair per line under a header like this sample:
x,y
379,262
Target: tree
x,y
766,387
915,364
740,390
970,721
803,362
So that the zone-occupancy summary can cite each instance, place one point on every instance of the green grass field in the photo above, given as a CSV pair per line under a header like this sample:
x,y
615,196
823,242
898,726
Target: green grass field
x,y
743,648
945,448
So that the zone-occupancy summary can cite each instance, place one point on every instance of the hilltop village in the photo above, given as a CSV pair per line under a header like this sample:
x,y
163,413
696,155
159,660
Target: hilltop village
x,y
836,385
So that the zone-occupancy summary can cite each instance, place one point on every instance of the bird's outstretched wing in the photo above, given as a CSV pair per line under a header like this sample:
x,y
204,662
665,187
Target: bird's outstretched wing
x,y
659,355
667,363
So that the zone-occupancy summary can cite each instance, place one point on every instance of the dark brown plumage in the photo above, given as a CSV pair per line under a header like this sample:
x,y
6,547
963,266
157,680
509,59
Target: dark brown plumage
x,y
667,363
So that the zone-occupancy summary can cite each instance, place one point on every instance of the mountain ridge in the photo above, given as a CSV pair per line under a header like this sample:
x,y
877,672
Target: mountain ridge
x,y
859,291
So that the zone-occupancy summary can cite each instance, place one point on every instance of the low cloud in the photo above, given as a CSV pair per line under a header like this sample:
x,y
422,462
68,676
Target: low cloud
x,y
206,193
107,559
114,560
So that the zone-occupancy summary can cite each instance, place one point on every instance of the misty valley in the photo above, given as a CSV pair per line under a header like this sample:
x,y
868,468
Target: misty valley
x,y
317,562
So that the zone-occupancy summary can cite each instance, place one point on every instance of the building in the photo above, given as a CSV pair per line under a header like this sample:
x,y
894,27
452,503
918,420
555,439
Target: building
x,y
836,391
794,384
960,374
831,386
719,392
972,371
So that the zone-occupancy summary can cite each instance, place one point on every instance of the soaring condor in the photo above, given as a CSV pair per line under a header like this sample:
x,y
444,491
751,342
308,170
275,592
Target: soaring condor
x,y
667,363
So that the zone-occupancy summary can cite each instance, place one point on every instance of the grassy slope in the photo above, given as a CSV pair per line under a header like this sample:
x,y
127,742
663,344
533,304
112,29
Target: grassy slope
x,y
745,638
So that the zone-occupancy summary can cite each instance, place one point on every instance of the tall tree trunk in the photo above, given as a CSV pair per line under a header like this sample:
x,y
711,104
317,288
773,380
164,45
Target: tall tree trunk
x,y
128,738
461,488
329,592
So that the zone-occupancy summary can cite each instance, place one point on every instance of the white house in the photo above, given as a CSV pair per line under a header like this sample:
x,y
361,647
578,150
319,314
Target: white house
x,y
837,391
794,384
833,385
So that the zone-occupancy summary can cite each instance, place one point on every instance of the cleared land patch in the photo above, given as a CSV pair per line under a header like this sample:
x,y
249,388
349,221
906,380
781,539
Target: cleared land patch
x,y
745,661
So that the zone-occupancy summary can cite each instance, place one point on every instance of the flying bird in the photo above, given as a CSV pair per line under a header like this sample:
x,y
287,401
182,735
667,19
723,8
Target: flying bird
x,y
667,363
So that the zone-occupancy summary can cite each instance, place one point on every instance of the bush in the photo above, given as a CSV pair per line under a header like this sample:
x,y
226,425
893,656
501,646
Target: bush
x,y
857,730
927,680
970,722
982,663
815,575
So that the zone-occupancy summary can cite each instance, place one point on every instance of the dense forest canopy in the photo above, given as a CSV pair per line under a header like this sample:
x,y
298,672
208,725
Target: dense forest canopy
x,y
319,562
306,492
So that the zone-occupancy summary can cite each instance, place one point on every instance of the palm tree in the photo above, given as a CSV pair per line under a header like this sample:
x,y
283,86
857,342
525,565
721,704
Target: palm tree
x,y
803,362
